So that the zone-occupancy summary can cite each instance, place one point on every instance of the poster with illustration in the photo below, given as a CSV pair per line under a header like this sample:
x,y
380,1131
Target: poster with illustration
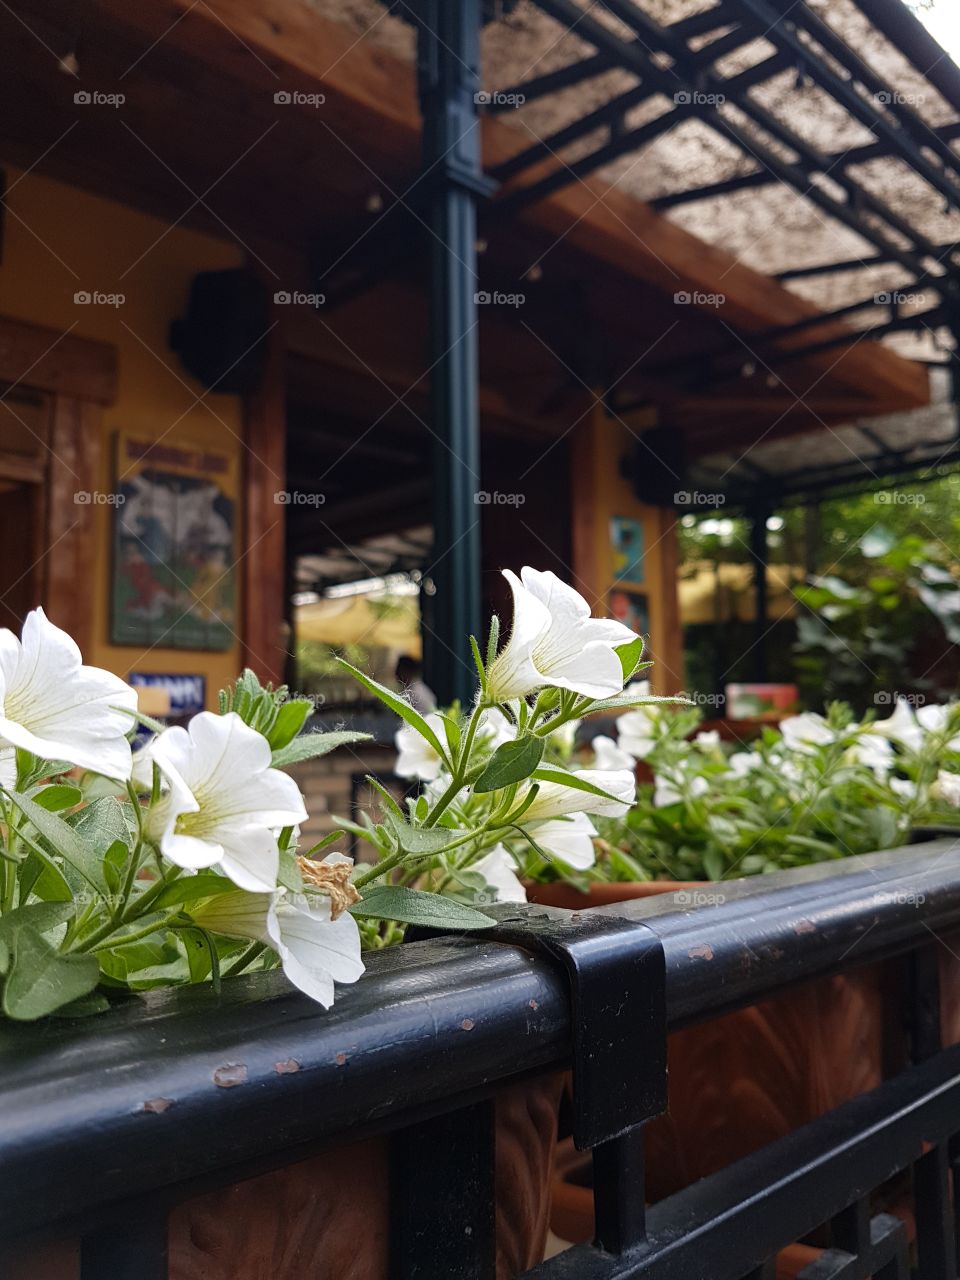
x,y
630,608
626,539
174,584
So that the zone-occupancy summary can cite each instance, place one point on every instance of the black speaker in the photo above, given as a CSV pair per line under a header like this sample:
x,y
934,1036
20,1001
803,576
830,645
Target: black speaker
x,y
658,466
222,338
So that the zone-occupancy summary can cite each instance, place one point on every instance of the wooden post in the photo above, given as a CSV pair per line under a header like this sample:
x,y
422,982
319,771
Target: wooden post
x,y
263,556
600,491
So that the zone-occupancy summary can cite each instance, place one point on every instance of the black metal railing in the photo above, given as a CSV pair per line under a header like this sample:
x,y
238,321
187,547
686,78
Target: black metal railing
x,y
108,1123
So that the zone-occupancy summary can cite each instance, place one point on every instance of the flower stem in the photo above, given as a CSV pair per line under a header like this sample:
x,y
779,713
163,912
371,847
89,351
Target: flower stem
x,y
109,942
246,957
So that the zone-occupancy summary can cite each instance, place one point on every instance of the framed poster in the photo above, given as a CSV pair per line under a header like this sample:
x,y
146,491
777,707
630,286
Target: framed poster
x,y
630,608
174,581
626,540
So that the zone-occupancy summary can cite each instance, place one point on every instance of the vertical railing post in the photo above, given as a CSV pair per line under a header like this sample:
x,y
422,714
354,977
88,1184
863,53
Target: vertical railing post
x,y
449,82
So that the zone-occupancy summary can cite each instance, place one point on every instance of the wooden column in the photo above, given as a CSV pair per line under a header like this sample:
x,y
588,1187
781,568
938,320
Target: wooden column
x,y
263,556
600,491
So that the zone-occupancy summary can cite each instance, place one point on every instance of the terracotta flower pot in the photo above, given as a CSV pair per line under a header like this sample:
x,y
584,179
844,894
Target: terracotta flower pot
x,y
327,1217
744,1079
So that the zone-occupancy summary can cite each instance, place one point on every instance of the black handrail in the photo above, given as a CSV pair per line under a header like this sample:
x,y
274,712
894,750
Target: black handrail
x,y
184,1085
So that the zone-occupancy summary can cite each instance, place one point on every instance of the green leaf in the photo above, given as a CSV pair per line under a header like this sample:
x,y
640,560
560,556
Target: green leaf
x,y
713,863
398,706
43,878
547,773
414,906
623,701
84,1007
310,745
630,655
41,979
64,840
510,763
102,823
189,889
57,797
290,720
419,841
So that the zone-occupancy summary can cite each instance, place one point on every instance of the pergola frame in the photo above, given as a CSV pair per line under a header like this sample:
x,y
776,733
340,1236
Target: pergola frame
x,y
451,101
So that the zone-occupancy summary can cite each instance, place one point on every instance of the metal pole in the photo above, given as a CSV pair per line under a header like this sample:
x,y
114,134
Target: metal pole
x,y
758,554
449,81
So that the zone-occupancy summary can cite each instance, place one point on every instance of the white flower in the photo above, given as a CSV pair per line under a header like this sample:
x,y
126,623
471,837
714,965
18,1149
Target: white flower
x,y
554,641
314,949
636,731
806,731
55,707
570,839
874,752
743,762
416,758
901,726
933,718
674,790
495,729
906,788
607,755
499,870
554,799
224,803
565,738
947,788
708,740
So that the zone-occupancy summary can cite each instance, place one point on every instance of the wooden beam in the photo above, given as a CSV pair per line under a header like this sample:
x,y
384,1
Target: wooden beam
x,y
57,361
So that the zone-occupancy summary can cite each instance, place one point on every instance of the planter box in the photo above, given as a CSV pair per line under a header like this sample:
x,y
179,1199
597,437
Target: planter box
x,y
742,1080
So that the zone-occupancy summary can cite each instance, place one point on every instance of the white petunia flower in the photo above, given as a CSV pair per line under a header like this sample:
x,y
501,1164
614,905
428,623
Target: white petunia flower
x,y
743,762
314,949
901,726
554,799
906,788
570,839
933,717
636,731
415,756
607,755
874,752
707,740
806,731
947,788
55,707
224,802
554,641
499,870
674,790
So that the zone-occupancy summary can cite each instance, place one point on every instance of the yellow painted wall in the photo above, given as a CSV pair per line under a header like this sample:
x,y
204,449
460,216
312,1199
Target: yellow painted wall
x,y
601,491
59,240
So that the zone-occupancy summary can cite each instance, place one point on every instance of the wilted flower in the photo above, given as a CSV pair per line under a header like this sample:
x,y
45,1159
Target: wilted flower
x,y
331,877
554,641
224,802
315,948
55,707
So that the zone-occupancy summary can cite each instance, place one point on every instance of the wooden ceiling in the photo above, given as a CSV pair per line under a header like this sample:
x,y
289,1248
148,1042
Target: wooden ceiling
x,y
200,140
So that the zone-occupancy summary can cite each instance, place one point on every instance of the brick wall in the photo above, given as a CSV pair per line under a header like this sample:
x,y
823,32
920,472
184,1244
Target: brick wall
x,y
332,783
